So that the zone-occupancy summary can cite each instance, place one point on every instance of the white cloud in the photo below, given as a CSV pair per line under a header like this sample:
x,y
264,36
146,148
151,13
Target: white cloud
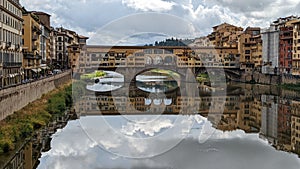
x,y
149,129
90,16
135,27
152,5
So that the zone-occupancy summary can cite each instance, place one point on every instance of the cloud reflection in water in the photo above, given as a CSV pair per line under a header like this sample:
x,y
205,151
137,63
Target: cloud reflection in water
x,y
71,148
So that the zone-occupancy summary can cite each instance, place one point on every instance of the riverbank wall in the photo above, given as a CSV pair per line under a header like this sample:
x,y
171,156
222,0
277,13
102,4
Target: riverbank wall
x,y
269,79
15,98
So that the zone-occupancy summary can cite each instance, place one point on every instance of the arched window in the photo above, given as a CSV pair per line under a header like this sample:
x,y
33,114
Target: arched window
x,y
158,60
148,60
168,60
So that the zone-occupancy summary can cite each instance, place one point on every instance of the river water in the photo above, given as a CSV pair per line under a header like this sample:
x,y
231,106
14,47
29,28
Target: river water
x,y
150,124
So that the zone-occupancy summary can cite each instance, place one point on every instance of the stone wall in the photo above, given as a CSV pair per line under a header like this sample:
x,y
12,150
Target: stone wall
x,y
15,98
261,78
289,79
266,78
269,79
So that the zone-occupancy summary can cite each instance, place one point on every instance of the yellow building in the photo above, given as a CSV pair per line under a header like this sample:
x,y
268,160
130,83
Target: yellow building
x,y
45,45
225,35
74,52
295,129
63,39
31,45
296,47
52,46
250,49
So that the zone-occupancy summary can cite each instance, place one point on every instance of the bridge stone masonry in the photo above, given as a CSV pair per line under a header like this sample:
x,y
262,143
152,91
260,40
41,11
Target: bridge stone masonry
x,y
15,98
132,60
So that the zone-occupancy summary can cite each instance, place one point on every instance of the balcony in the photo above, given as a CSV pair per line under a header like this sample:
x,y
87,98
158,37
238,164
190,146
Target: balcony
x,y
8,45
29,55
286,37
29,65
36,29
38,56
35,37
12,64
34,47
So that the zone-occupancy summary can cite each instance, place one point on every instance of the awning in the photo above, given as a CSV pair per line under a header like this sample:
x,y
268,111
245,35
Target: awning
x,y
35,70
46,67
11,75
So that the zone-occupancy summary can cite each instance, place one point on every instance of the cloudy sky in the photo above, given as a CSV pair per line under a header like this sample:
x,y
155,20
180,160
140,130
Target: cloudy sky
x,y
144,21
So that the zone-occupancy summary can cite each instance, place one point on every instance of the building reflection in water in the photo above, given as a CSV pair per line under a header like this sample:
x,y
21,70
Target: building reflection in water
x,y
271,112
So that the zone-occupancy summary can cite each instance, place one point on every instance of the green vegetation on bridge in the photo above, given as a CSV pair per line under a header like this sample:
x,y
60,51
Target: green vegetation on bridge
x,y
93,75
166,72
203,77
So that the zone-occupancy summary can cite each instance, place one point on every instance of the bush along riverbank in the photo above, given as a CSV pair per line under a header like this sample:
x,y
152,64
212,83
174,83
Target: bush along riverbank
x,y
23,123
294,87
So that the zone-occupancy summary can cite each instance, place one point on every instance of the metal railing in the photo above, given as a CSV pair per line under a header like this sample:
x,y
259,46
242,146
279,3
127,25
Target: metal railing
x,y
12,64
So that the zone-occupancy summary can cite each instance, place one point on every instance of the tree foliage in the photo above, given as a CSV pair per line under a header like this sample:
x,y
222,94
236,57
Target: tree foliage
x,y
34,116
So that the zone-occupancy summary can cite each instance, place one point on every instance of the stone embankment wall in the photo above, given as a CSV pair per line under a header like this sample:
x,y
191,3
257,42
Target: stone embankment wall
x,y
288,79
269,79
261,78
15,98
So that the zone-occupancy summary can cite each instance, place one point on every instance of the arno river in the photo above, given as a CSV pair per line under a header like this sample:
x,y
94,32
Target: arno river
x,y
153,123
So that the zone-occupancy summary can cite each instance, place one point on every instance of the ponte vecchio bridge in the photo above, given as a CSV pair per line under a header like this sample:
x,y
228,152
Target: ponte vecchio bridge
x,y
132,60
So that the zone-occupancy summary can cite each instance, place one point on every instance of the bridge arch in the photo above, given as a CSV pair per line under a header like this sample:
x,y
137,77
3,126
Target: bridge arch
x,y
182,74
169,60
158,60
148,60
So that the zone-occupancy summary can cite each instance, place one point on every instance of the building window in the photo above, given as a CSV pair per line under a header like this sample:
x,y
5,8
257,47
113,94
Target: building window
x,y
60,56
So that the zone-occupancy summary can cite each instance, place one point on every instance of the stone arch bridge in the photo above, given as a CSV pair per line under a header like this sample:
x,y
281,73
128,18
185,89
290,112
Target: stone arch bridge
x,y
131,61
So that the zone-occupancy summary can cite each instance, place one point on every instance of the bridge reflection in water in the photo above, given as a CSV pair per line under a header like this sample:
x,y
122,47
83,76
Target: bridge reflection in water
x,y
271,112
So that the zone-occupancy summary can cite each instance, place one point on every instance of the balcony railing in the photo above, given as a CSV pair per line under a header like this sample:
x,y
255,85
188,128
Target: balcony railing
x,y
29,55
34,47
36,29
34,37
17,46
38,57
12,64
8,44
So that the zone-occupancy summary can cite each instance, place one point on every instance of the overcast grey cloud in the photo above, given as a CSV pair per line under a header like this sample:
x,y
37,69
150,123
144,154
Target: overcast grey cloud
x,y
88,17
